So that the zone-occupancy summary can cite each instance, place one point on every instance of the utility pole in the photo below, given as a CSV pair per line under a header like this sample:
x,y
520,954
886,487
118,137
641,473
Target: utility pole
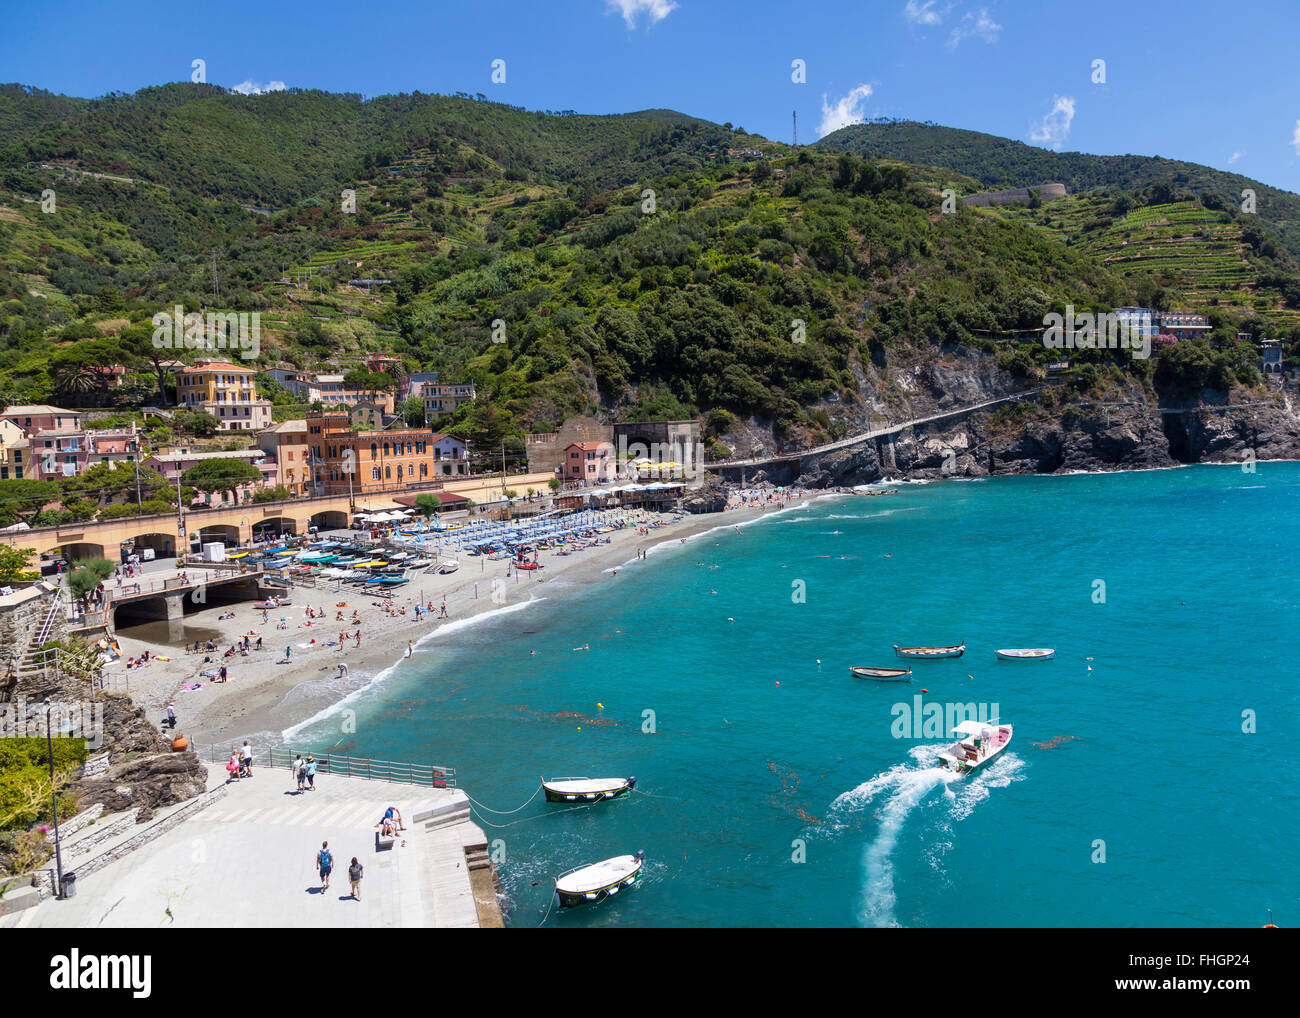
x,y
795,115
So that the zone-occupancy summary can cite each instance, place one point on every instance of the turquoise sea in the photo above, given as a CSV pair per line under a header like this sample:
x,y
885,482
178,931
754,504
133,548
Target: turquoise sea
x,y
772,791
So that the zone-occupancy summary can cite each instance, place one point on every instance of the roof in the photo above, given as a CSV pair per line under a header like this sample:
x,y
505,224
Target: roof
x,y
973,727
27,410
180,457
298,426
589,446
217,366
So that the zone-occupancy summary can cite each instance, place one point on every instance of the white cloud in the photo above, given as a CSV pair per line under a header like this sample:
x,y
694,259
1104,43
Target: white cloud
x,y
847,110
255,88
1055,127
1295,138
657,10
922,14
1237,155
977,24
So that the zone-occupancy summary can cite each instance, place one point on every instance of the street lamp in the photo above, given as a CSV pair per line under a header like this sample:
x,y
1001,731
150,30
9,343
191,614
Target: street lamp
x,y
54,801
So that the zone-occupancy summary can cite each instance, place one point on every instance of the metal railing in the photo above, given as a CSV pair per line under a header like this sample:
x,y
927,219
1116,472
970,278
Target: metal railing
x,y
429,775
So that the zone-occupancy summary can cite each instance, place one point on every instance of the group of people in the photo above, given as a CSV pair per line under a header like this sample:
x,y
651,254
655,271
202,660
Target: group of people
x,y
240,764
325,866
304,771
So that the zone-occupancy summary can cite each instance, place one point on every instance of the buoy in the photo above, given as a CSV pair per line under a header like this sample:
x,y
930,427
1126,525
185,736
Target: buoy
x,y
778,683
925,691
601,706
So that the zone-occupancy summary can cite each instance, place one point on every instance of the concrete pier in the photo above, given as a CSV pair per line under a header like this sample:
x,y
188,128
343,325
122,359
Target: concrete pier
x,y
249,860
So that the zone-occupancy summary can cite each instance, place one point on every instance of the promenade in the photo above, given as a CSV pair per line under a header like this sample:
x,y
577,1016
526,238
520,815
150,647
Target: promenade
x,y
248,861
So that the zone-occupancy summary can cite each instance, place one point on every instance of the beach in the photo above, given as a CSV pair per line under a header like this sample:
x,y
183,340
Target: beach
x,y
269,693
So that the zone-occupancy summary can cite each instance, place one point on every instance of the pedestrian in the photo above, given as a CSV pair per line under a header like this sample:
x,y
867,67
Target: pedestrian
x,y
232,768
221,674
444,607
171,716
325,863
288,653
246,753
355,872
300,772
311,773
408,648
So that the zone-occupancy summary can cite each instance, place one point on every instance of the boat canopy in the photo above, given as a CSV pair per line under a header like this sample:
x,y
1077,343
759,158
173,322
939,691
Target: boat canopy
x,y
973,727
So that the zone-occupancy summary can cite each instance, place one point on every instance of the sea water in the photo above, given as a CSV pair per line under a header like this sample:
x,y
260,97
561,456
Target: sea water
x,y
1149,781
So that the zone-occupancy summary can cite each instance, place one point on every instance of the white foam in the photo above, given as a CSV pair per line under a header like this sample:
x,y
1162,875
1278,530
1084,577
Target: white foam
x,y
448,629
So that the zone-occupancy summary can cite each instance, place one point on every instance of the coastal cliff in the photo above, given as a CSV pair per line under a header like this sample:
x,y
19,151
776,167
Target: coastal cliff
x,y
1116,424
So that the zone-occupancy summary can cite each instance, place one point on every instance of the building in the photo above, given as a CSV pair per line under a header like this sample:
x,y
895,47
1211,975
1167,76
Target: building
x,y
1139,321
1182,325
286,443
547,451
41,417
225,391
590,463
370,416
382,361
1272,356
413,387
347,461
173,466
442,400
14,450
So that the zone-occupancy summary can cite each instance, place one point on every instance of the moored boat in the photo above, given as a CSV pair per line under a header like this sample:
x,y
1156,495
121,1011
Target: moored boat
x,y
450,566
977,743
927,653
883,674
598,881
1028,654
586,789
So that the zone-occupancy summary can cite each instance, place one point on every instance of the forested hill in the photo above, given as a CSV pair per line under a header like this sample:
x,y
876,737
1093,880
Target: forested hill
x,y
275,149
1003,163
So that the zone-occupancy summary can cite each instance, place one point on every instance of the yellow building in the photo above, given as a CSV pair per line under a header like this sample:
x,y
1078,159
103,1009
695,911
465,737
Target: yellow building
x,y
226,392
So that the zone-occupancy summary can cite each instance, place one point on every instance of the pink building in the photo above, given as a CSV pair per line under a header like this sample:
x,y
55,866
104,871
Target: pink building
x,y
174,465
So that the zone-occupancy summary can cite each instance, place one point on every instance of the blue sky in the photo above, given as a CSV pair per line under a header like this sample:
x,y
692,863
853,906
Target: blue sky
x,y
1209,82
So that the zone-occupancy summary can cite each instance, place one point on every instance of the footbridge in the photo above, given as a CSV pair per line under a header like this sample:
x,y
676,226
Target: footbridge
x,y
866,436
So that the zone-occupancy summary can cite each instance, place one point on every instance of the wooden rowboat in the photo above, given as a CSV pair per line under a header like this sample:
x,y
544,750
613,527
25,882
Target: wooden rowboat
x,y
1028,654
884,674
927,653
586,789
598,881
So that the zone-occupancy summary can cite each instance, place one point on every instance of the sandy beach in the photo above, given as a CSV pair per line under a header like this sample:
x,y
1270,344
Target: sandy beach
x,y
267,694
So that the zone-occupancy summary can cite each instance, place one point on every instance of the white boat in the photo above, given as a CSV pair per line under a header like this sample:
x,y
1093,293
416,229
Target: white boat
x,y
598,881
450,566
928,653
1028,654
883,674
586,789
977,743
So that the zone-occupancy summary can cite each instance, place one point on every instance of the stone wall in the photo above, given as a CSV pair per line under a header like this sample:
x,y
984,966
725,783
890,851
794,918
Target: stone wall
x,y
546,452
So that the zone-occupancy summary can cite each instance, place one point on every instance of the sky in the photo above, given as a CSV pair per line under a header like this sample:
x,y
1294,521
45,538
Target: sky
x,y
1209,82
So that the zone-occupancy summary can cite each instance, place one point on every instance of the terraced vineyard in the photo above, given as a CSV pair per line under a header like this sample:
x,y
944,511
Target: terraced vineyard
x,y
1198,255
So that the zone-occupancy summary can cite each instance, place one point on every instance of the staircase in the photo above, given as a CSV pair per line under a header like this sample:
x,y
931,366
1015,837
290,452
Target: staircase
x,y
29,660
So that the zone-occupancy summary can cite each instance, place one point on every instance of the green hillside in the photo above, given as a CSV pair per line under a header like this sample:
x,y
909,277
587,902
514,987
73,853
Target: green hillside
x,y
1003,163
760,289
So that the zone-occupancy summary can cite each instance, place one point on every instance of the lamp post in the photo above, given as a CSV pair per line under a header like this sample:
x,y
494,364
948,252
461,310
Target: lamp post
x,y
54,801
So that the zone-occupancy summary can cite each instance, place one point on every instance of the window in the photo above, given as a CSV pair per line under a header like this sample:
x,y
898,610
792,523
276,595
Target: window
x,y
388,473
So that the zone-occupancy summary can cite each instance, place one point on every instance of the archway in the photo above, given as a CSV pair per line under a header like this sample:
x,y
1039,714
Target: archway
x,y
331,519
213,533
79,551
274,526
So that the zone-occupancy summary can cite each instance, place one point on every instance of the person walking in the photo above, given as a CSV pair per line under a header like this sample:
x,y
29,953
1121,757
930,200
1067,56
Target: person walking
x,y
355,873
246,755
300,772
232,767
324,863
311,773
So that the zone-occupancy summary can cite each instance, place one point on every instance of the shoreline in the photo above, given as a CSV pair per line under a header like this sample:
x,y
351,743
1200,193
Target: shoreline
x,y
269,699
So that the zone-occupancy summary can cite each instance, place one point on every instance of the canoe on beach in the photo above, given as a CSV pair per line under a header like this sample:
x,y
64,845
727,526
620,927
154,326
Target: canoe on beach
x,y
928,653
883,674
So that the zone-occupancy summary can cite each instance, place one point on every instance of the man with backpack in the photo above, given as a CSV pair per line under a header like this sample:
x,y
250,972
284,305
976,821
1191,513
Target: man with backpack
x,y
325,863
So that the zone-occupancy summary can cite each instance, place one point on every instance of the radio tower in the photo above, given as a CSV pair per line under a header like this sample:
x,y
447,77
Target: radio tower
x,y
795,115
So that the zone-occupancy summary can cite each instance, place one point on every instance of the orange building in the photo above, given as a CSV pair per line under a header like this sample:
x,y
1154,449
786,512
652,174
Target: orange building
x,y
344,460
